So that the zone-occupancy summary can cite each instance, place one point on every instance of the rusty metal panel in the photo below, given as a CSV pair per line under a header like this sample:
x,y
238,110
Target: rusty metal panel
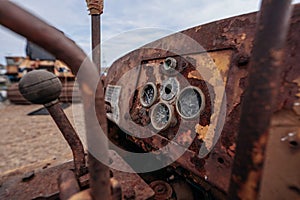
x,y
229,46
133,186
259,101
229,43
31,184
281,178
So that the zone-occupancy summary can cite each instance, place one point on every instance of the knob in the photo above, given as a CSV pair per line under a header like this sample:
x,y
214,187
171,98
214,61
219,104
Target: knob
x,y
43,87
40,87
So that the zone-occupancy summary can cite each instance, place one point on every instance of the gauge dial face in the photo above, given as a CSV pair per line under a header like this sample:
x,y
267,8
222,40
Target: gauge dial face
x,y
161,116
148,95
190,103
169,89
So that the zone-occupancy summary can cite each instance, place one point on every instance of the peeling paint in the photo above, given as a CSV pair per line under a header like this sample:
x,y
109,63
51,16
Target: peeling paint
x,y
195,75
201,131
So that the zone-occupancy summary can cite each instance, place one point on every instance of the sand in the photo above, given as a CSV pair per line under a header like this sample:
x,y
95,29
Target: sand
x,y
29,139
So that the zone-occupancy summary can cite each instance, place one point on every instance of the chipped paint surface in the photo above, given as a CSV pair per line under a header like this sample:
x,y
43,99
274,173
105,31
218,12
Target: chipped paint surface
x,y
201,131
297,81
195,75
229,48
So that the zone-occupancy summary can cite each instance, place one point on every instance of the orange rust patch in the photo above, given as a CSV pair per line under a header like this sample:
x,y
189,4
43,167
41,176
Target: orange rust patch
x,y
258,152
198,28
297,81
231,150
248,190
195,75
244,36
201,131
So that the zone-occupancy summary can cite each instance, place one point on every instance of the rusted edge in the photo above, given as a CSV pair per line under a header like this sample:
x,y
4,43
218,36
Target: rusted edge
x,y
259,101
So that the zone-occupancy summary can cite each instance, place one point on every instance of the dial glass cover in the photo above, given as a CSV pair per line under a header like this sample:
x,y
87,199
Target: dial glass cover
x,y
190,103
148,95
161,116
169,89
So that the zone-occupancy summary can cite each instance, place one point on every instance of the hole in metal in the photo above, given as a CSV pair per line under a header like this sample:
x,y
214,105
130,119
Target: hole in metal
x,y
168,89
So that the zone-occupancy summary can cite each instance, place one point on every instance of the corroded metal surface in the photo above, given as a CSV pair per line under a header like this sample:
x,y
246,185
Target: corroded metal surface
x,y
63,48
96,38
162,189
67,184
39,182
42,184
71,137
42,87
260,98
95,6
133,186
229,42
281,174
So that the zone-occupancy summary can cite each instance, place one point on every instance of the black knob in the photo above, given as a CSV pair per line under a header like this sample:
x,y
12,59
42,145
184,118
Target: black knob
x,y
40,87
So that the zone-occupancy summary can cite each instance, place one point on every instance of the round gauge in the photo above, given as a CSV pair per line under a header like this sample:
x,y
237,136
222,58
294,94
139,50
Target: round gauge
x,y
148,94
170,63
161,116
169,89
190,102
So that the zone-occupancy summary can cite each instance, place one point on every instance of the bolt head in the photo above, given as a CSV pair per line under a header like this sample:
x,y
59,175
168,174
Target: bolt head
x,y
40,87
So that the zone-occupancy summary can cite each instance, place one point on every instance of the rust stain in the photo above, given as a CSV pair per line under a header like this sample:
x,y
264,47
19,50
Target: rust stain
x,y
231,150
250,187
259,149
296,106
244,36
276,56
195,75
201,131
185,138
198,28
297,81
248,190
222,62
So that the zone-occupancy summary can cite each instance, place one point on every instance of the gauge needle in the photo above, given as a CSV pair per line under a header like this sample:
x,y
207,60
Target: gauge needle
x,y
147,99
147,96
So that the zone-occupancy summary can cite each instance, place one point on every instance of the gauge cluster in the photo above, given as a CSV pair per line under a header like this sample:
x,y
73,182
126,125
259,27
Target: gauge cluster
x,y
169,99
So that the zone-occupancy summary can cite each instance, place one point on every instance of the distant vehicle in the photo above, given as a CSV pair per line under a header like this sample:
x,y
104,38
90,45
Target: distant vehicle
x,y
4,81
2,69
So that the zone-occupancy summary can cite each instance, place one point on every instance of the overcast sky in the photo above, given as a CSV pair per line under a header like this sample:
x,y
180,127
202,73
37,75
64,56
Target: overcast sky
x,y
162,17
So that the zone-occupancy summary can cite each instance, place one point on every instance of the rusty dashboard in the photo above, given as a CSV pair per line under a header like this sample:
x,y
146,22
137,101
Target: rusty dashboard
x,y
184,92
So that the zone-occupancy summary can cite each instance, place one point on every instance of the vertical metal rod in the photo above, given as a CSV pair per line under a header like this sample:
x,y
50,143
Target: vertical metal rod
x,y
96,38
99,172
260,98
70,136
98,148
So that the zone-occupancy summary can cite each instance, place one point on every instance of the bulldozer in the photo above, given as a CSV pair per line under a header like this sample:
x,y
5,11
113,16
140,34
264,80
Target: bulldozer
x,y
211,112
